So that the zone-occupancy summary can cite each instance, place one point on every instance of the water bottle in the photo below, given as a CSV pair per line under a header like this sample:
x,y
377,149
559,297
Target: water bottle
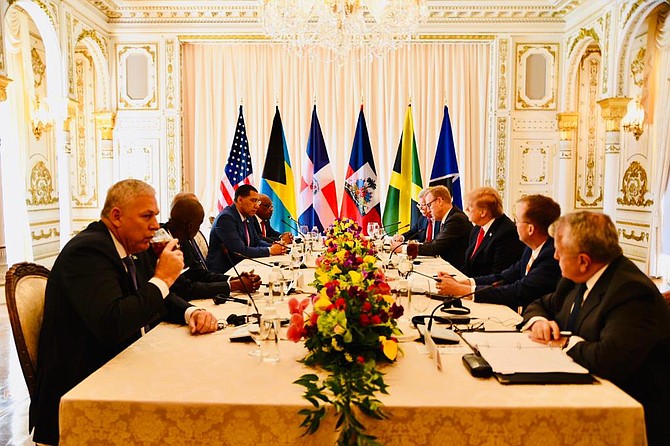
x,y
269,328
275,288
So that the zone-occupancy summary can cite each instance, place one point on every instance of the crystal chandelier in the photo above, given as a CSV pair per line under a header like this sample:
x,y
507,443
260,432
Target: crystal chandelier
x,y
374,26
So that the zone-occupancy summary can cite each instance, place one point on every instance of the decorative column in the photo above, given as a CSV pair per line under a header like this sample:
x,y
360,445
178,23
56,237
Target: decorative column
x,y
104,121
567,124
612,110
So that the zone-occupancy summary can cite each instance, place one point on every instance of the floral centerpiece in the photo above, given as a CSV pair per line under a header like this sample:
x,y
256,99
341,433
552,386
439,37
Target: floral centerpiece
x,y
350,330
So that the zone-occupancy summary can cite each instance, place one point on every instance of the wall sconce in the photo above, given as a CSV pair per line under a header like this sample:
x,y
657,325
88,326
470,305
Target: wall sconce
x,y
42,119
633,122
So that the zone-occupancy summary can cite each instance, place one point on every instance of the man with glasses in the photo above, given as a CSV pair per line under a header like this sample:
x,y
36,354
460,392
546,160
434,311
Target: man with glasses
x,y
233,233
426,228
534,275
451,241
262,222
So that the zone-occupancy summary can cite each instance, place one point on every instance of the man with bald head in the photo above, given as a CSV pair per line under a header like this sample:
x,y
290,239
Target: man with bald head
x,y
198,282
262,222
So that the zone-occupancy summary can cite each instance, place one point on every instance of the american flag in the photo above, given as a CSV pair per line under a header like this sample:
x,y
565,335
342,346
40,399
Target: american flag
x,y
238,168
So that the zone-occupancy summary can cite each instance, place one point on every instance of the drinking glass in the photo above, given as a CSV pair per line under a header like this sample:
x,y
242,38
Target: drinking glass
x,y
254,328
405,299
161,238
297,255
412,249
304,231
405,266
420,303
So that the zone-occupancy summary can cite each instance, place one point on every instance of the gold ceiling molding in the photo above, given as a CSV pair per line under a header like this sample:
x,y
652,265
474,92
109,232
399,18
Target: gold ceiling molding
x,y
4,81
133,11
263,38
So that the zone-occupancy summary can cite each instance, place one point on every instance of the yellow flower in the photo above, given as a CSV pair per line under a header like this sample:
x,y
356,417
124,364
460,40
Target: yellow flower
x,y
370,259
356,277
390,347
340,255
335,270
322,303
323,277
388,298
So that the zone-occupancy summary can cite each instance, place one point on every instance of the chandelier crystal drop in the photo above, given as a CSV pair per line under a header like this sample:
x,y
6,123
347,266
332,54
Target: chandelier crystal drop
x,y
373,26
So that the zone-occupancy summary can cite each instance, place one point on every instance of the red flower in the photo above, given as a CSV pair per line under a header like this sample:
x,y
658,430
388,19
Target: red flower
x,y
367,306
341,303
364,320
376,320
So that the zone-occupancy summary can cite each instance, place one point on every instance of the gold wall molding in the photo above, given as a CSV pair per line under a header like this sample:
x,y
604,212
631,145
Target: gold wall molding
x,y
606,50
596,203
95,37
41,186
4,82
104,121
631,235
613,110
123,53
171,134
503,50
637,67
52,232
634,187
501,154
583,34
549,53
39,69
567,124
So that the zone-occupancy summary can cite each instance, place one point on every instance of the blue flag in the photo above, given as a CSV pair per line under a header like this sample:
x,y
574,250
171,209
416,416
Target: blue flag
x,y
445,166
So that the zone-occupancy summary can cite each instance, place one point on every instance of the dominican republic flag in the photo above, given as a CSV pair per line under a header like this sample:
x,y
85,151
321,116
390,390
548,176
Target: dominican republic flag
x,y
238,169
277,180
403,193
360,201
445,166
318,198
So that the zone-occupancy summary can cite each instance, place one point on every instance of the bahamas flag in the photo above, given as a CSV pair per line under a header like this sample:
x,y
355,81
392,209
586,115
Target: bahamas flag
x,y
445,166
361,198
277,180
403,193
318,198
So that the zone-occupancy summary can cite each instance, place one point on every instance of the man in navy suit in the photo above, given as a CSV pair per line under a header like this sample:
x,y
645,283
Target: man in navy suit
x,y
451,241
233,233
494,244
619,323
425,229
534,275
103,293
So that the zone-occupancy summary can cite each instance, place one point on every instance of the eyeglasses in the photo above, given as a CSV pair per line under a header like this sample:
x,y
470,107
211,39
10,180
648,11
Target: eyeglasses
x,y
421,206
267,205
434,200
517,222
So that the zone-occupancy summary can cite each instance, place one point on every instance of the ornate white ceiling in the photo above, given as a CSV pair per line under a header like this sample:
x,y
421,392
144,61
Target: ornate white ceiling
x,y
245,13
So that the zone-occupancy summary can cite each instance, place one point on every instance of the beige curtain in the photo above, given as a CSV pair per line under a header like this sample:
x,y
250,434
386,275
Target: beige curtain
x,y
217,77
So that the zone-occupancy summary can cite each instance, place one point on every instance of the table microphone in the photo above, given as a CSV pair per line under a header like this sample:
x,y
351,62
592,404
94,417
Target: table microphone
x,y
295,228
449,300
253,260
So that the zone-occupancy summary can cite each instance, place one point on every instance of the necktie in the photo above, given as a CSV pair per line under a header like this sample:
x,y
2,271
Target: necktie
x,y
530,262
132,271
480,237
196,249
574,313
263,228
246,230
429,230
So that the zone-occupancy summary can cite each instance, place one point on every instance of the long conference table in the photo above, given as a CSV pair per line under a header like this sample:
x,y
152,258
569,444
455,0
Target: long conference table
x,y
172,388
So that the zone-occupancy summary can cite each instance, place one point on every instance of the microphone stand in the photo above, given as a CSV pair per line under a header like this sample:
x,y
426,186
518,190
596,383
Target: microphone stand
x,y
244,286
450,299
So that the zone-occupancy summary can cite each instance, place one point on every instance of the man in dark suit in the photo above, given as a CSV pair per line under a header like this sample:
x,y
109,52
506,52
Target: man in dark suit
x,y
197,282
451,241
425,229
619,322
534,275
233,233
102,294
494,244
262,222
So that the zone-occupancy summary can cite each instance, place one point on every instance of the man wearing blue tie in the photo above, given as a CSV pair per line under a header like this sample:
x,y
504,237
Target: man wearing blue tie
x,y
233,233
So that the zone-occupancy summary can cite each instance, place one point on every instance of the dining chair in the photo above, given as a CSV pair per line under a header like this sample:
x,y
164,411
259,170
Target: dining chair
x,y
201,241
25,285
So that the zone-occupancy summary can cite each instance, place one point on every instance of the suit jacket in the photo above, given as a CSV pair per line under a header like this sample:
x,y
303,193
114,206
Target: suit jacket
x,y
420,228
518,288
499,249
91,313
452,240
198,282
271,234
228,232
625,324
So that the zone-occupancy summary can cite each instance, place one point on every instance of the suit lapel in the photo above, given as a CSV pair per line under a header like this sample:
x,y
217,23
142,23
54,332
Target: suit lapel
x,y
595,295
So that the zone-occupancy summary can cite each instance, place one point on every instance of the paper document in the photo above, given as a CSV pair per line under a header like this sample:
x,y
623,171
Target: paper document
x,y
517,353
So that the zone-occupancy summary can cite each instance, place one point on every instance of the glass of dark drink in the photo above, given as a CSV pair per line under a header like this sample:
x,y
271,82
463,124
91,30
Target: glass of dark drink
x,y
160,240
412,249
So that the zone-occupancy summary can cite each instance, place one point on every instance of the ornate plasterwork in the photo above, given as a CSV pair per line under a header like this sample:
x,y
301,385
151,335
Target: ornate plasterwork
x,y
52,232
583,33
39,69
606,50
613,110
567,124
41,186
171,133
4,81
632,236
637,67
101,42
169,73
548,52
104,121
503,48
149,52
634,187
534,162
501,153
71,71
52,14
224,12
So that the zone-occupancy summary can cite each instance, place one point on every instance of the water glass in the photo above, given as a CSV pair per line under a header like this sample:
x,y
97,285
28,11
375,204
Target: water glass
x,y
405,266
